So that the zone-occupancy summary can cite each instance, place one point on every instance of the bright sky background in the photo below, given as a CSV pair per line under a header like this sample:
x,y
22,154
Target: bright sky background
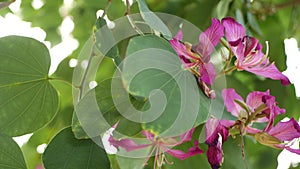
x,y
11,24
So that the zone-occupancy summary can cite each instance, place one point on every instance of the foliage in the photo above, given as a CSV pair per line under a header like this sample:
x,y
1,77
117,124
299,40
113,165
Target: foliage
x,y
71,118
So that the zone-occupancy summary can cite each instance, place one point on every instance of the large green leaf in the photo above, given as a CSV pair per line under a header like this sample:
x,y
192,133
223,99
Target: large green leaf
x,y
27,100
153,70
10,154
66,152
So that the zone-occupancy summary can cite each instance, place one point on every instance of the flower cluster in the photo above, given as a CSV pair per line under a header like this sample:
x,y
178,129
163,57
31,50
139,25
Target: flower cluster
x,y
246,49
258,107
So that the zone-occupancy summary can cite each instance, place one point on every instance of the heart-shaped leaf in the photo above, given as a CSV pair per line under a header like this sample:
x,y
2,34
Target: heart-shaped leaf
x,y
10,154
27,100
153,70
66,152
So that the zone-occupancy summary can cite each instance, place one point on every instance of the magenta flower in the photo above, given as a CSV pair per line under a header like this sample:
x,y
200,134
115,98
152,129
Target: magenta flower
x,y
197,58
259,107
248,52
216,135
160,146
281,135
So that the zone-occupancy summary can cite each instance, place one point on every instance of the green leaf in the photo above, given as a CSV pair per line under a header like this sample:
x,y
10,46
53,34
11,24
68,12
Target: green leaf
x,y
10,154
28,100
66,152
97,111
240,17
222,8
77,128
253,23
47,17
152,20
130,163
153,70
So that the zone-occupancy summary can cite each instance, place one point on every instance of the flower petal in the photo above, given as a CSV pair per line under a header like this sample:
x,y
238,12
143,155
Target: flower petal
x,y
254,99
252,130
297,151
179,35
181,50
207,72
233,30
127,144
272,110
150,136
209,39
229,96
215,156
214,129
181,154
269,71
187,136
286,131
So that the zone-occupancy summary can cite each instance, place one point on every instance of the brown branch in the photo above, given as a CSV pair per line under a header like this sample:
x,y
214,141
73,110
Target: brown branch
x,y
127,8
106,8
287,4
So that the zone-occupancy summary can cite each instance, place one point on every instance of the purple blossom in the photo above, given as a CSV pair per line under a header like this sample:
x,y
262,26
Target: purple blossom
x,y
259,107
248,52
281,135
160,145
216,135
197,58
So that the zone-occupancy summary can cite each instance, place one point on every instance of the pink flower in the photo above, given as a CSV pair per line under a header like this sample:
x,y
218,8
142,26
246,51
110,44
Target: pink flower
x,y
280,135
248,52
161,145
197,58
216,135
259,107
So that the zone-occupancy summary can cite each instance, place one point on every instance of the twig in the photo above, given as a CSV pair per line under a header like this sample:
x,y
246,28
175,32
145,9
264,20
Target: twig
x,y
127,8
106,8
287,4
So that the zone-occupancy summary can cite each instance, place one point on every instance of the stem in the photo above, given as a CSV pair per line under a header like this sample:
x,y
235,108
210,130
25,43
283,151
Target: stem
x,y
127,8
106,8
224,43
230,70
228,60
287,4
82,83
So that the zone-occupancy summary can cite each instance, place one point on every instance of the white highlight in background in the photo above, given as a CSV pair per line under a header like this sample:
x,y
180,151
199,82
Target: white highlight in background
x,y
293,63
21,140
66,47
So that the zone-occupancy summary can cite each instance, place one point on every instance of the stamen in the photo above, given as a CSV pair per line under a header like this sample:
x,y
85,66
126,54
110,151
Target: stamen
x,y
150,154
166,160
156,156
160,159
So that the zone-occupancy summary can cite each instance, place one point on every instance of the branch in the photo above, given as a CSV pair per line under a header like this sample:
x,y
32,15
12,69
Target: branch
x,y
287,4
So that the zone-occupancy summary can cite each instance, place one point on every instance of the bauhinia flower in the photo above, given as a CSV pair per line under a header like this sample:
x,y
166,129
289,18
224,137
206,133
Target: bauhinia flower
x,y
160,146
248,52
197,58
216,135
280,136
258,107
